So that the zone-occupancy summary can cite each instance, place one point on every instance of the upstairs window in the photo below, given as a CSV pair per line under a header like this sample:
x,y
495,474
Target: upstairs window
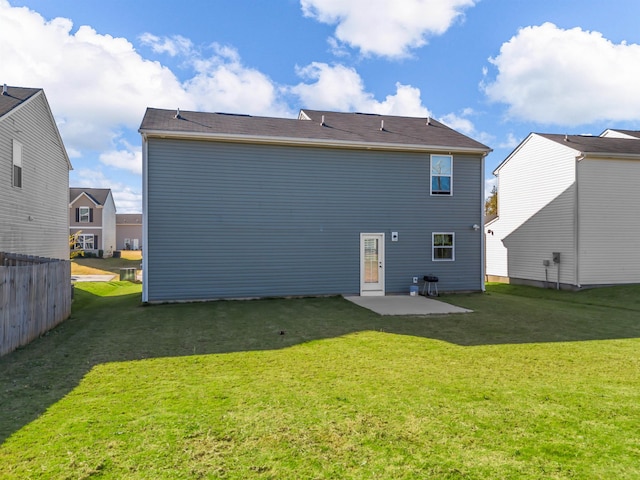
x,y
17,165
84,214
441,174
443,247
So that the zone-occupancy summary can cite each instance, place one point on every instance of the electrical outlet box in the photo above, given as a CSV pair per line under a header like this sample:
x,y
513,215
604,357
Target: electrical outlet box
x,y
546,263
556,257
394,236
415,279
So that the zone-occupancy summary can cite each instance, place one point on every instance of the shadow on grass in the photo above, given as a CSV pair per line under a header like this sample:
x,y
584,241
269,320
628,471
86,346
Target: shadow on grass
x,y
110,327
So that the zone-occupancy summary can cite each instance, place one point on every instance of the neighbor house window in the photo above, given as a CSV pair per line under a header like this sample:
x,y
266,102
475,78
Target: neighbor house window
x,y
86,242
441,174
17,164
443,247
84,214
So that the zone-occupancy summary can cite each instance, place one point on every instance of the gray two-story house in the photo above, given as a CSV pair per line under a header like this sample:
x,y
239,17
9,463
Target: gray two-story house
x,y
237,206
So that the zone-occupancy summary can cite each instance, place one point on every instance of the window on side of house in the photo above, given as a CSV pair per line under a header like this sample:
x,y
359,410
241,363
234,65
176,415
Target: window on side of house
x,y
17,165
441,175
443,247
86,241
84,214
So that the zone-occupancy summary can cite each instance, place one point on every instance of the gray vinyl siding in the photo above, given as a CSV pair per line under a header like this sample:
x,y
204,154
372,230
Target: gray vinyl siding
x,y
229,220
34,218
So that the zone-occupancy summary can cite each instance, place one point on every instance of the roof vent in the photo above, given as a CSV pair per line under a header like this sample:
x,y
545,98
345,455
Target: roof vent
x,y
322,122
566,137
4,89
177,115
382,125
428,121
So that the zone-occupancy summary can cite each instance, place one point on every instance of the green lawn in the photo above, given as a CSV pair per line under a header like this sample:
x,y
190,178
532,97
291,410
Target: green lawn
x,y
105,266
533,384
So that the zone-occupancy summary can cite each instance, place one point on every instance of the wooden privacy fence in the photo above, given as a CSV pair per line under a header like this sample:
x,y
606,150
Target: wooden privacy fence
x,y
35,296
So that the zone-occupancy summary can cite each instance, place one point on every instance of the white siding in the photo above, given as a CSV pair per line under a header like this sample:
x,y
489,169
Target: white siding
x,y
616,134
536,208
109,226
34,218
609,221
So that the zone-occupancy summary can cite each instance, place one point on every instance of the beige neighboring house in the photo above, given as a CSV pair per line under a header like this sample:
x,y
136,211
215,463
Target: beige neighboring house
x,y
568,212
34,176
129,231
92,212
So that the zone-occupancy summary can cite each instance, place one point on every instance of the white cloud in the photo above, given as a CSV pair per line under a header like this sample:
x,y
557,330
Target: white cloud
x,y
95,83
127,199
128,159
98,85
341,88
566,77
511,142
174,45
463,124
223,83
389,28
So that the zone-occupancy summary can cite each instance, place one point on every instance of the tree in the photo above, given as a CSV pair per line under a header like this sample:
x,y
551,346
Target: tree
x,y
73,240
491,203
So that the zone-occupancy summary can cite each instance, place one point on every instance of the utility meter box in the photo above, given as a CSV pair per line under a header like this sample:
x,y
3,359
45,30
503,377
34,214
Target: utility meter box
x,y
556,257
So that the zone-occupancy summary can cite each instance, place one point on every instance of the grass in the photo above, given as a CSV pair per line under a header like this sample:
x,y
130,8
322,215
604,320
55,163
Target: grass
x,y
106,266
533,384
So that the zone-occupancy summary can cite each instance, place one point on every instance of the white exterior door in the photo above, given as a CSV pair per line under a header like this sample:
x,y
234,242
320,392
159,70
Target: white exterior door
x,y
371,264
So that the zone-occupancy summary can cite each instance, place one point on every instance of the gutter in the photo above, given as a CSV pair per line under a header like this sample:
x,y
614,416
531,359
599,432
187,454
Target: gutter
x,y
145,222
306,142
608,156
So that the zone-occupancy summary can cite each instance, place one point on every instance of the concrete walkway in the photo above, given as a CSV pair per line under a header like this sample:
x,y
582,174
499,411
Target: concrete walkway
x,y
92,278
406,305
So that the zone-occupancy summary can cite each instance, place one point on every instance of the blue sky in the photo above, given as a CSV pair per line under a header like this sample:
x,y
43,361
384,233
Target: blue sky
x,y
492,69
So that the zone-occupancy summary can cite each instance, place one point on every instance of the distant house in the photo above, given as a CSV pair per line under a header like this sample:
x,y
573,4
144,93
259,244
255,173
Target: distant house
x,y
34,173
568,211
238,206
129,231
92,212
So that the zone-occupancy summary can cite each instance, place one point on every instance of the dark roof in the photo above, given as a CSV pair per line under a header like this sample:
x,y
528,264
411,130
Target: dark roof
x,y
338,128
98,195
129,218
14,97
596,145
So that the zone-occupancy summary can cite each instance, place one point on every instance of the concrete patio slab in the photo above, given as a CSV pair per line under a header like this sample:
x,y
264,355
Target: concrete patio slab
x,y
405,305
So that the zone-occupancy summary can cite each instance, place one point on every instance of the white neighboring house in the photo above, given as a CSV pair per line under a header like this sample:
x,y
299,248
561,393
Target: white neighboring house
x,y
568,212
92,212
34,176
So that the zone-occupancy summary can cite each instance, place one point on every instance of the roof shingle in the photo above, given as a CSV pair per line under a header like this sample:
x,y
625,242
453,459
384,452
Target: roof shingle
x,y
345,128
14,97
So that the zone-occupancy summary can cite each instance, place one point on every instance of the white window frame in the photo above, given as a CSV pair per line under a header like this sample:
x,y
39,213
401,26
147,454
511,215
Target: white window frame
x,y
433,175
434,246
84,214
85,239
16,169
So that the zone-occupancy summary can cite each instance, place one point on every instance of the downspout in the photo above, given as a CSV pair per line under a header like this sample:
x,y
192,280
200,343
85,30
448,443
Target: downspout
x,y
145,222
482,235
576,225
